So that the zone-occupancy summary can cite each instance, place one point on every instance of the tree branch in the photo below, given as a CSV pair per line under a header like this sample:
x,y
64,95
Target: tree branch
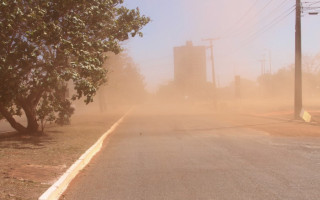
x,y
34,97
8,116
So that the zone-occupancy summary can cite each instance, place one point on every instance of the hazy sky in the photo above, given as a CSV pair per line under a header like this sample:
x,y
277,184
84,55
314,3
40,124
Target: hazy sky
x,y
248,30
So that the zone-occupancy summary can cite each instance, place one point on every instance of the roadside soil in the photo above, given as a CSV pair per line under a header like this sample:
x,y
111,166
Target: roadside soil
x,y
281,123
30,165
272,116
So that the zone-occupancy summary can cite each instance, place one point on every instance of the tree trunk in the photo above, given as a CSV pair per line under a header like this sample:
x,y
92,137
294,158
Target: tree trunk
x,y
31,115
7,115
30,111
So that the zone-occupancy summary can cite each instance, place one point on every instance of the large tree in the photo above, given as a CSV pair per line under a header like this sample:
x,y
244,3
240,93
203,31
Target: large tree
x,y
47,43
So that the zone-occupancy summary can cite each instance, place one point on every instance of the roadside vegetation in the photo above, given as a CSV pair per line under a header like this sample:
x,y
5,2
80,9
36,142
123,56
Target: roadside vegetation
x,y
48,44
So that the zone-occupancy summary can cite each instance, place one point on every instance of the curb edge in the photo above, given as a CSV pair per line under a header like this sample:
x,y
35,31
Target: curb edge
x,y
57,189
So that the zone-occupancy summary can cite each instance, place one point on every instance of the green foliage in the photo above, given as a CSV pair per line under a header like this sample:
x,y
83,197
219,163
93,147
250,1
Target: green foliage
x,y
55,107
49,42
64,112
45,111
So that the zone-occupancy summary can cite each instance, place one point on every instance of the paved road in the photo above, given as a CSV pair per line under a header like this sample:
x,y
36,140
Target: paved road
x,y
197,157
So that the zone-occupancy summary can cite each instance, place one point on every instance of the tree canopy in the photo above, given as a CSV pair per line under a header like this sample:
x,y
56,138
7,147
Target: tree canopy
x,y
47,43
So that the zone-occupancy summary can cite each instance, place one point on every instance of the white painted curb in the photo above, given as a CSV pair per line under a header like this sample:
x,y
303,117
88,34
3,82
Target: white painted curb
x,y
56,190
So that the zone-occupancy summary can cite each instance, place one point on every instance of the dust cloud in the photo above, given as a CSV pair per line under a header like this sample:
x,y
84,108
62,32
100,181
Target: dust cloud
x,y
241,85
192,93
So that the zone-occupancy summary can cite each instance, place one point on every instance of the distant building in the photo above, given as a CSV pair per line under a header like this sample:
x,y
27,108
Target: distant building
x,y
190,68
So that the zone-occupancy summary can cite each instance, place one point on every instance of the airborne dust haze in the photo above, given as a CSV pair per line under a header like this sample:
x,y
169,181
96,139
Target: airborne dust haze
x,y
253,59
253,55
200,107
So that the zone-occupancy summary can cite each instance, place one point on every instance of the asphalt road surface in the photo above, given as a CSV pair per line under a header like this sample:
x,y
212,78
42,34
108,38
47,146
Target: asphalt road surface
x,y
195,156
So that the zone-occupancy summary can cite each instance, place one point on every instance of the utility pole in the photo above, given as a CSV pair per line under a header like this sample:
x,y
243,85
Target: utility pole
x,y
212,61
298,71
270,64
263,65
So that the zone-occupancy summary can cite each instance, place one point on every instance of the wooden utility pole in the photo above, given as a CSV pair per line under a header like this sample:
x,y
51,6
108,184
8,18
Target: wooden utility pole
x,y
298,71
212,61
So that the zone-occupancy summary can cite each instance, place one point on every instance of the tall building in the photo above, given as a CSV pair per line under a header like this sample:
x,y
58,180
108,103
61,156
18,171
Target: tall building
x,y
190,68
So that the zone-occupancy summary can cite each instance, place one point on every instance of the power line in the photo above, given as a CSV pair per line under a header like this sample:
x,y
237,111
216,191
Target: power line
x,y
281,5
255,35
312,3
238,30
273,23
268,27
312,8
240,19
264,7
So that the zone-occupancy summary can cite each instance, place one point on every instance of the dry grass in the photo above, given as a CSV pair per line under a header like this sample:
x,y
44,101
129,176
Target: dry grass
x,y
30,165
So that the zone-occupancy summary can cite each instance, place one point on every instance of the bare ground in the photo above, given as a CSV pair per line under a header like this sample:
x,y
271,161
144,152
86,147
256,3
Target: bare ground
x,y
29,165
276,123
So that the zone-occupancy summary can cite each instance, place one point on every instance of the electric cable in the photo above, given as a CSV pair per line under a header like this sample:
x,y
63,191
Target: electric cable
x,y
255,35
